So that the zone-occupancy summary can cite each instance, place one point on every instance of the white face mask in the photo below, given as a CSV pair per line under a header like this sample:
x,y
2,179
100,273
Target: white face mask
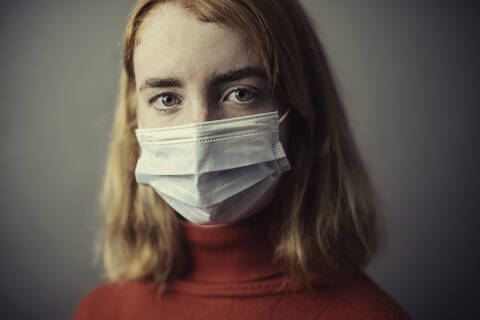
x,y
213,172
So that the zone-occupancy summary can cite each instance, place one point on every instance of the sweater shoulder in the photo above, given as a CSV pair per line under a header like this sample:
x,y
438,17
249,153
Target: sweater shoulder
x,y
360,297
104,301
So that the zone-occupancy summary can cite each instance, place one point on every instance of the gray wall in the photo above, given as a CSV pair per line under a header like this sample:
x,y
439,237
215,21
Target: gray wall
x,y
408,71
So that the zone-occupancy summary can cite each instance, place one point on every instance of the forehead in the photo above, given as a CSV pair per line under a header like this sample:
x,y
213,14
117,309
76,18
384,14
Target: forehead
x,y
173,42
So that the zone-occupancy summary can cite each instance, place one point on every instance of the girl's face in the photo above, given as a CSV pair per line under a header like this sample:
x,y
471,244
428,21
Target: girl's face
x,y
190,71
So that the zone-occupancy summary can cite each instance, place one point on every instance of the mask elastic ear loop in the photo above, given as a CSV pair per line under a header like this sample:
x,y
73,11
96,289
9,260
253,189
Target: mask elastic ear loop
x,y
138,124
285,115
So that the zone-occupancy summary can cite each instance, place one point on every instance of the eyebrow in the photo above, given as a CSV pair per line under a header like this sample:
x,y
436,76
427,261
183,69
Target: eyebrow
x,y
229,76
239,74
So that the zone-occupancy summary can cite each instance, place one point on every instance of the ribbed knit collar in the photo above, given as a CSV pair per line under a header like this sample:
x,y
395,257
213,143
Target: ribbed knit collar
x,y
234,260
240,252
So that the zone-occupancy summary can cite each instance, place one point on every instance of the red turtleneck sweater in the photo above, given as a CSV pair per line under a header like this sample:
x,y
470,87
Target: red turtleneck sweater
x,y
232,277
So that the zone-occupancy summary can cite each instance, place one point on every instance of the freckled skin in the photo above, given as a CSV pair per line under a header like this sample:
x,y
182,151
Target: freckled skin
x,y
174,43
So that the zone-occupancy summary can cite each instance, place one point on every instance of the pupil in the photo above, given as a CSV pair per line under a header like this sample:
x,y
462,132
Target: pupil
x,y
241,94
168,100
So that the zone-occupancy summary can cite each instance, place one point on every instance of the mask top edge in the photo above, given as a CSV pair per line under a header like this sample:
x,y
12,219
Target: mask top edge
x,y
273,115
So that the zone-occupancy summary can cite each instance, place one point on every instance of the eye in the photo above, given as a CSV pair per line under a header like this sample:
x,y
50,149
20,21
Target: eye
x,y
242,95
165,101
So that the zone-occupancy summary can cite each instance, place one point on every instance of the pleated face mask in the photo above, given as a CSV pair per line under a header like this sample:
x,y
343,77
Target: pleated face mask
x,y
213,172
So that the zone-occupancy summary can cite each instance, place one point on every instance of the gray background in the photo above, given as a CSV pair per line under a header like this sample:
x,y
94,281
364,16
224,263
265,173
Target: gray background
x,y
408,71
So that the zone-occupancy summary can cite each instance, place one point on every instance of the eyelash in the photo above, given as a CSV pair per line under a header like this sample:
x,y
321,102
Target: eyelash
x,y
255,93
251,91
164,94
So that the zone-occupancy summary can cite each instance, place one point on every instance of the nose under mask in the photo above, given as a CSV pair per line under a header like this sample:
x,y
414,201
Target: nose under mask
x,y
213,172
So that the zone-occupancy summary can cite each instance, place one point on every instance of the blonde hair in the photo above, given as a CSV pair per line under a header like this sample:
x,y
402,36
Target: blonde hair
x,y
329,221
